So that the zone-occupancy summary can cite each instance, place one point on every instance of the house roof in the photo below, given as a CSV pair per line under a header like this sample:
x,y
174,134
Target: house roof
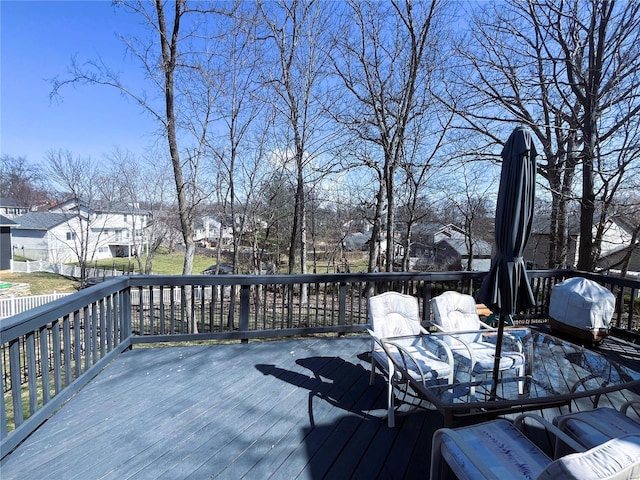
x,y
8,202
624,223
480,247
541,225
101,207
6,222
40,220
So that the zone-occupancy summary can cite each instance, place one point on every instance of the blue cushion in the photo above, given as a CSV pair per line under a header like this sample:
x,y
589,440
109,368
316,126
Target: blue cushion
x,y
595,427
501,446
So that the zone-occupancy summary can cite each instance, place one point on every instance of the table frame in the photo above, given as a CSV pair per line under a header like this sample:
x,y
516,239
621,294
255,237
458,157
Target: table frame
x,y
540,350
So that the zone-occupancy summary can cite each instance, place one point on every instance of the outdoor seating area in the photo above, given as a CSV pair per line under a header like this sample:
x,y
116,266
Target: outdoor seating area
x,y
295,390
289,408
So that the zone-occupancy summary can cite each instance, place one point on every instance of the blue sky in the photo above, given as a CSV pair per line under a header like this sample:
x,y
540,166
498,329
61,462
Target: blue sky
x,y
38,40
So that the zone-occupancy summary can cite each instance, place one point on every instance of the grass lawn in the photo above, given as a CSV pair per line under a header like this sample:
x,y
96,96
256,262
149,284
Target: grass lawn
x,y
165,264
42,282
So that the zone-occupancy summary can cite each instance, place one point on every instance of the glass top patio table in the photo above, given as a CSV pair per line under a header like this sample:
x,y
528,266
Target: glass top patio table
x,y
556,372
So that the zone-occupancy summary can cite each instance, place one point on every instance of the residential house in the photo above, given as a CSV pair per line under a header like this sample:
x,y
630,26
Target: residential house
x,y
46,236
209,229
72,228
9,208
536,253
445,247
617,241
357,241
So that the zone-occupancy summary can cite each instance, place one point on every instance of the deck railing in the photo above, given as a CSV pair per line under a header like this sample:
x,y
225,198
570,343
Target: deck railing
x,y
50,352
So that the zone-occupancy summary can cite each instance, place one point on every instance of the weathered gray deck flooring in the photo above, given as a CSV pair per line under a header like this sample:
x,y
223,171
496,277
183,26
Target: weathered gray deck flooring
x,y
283,409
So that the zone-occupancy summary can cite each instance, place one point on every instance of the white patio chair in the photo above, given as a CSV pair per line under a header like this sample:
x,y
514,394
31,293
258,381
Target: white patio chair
x,y
594,427
456,312
498,449
393,315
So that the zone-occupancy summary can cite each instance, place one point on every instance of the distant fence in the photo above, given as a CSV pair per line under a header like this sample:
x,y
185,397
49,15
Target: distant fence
x,y
14,305
62,269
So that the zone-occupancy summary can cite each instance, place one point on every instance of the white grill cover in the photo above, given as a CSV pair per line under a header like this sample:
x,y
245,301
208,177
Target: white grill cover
x,y
582,303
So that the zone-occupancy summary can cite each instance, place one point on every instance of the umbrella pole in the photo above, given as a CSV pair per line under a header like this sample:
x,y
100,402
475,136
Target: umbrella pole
x,y
496,364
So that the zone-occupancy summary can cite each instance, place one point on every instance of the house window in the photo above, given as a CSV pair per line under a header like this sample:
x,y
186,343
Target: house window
x,y
71,236
125,217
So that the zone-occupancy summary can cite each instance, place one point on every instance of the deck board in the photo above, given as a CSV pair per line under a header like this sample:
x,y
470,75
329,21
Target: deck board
x,y
281,409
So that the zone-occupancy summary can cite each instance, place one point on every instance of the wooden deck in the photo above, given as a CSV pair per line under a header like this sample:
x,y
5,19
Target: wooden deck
x,y
281,409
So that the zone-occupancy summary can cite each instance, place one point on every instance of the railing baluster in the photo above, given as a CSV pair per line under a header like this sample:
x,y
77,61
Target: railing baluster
x,y
342,304
57,358
77,349
152,307
87,323
43,335
15,376
3,410
32,375
103,333
66,333
95,333
245,297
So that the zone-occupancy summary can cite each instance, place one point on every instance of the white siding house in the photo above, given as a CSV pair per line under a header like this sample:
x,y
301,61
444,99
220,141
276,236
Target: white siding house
x,y
45,236
71,228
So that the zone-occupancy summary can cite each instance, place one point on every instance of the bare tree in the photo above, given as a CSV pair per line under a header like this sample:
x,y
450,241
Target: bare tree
x,y
384,62
169,58
22,181
82,183
238,151
569,71
600,41
296,32
467,193
419,167
142,186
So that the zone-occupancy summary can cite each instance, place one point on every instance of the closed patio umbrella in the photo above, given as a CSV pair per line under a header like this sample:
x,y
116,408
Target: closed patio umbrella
x,y
506,288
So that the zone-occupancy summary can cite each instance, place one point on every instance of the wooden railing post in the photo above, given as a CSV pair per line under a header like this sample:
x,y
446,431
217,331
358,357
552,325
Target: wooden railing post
x,y
245,294
125,314
342,313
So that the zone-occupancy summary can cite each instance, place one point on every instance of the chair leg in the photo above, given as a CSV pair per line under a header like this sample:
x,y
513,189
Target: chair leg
x,y
438,467
391,419
372,378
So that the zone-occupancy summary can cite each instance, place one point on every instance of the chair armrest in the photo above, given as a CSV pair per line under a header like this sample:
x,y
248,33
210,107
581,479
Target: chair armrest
x,y
625,406
486,326
374,339
509,342
467,347
443,347
407,359
437,327
549,427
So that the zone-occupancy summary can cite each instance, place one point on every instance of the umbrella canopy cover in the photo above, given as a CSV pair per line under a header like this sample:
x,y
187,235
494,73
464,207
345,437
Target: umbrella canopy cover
x,y
506,288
